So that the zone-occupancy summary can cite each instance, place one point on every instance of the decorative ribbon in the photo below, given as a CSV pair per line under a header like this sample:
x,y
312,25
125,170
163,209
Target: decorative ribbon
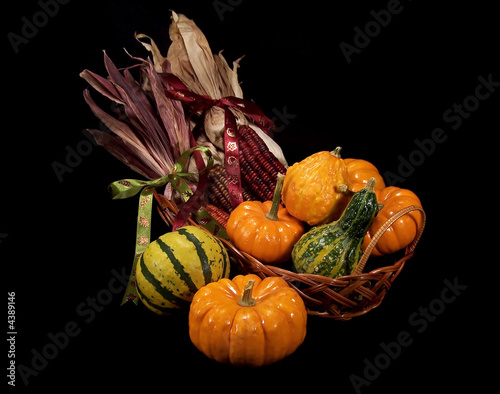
x,y
178,178
201,103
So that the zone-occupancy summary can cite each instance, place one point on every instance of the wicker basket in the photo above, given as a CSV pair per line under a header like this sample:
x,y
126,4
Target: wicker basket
x,y
341,298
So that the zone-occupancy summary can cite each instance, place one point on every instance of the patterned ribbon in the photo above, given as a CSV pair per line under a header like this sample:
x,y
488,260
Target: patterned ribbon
x,y
178,178
201,103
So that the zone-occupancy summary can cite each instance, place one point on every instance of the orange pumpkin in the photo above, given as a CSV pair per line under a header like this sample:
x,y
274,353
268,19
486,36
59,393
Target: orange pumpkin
x,y
265,230
312,191
360,171
404,230
247,321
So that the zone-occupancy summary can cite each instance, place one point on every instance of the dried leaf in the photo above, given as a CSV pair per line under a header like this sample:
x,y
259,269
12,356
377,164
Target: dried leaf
x,y
151,132
191,58
158,59
139,109
118,127
230,85
129,155
102,85
170,112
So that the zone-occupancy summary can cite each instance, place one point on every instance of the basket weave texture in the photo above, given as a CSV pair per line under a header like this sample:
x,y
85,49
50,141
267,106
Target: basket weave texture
x,y
341,298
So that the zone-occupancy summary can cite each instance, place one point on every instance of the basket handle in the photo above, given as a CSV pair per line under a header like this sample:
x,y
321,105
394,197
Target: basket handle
x,y
381,231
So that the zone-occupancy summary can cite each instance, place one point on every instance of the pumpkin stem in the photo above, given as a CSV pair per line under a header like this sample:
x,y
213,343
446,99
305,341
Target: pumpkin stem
x,y
273,213
344,189
336,152
246,299
370,186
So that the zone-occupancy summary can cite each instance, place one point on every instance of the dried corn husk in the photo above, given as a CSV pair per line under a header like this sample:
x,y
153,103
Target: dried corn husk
x,y
149,131
192,61
205,73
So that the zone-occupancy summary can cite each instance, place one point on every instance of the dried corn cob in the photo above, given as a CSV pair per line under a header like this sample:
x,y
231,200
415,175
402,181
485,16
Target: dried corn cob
x,y
258,144
218,192
219,172
259,170
254,175
217,197
259,166
218,214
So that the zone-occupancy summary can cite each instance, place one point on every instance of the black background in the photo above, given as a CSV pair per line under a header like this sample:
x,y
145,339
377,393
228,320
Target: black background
x,y
62,238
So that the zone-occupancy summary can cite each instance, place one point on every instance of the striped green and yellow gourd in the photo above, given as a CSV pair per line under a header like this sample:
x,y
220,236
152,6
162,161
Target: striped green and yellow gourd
x,y
334,249
176,265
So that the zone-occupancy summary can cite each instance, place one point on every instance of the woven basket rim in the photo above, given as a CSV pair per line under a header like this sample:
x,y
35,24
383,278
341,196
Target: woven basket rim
x,y
323,296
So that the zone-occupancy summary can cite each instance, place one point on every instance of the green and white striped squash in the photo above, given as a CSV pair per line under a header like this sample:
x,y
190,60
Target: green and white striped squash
x,y
176,265
334,249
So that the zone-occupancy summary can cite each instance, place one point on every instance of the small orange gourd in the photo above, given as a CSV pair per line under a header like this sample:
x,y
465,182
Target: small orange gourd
x,y
247,321
360,171
316,189
404,230
265,230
